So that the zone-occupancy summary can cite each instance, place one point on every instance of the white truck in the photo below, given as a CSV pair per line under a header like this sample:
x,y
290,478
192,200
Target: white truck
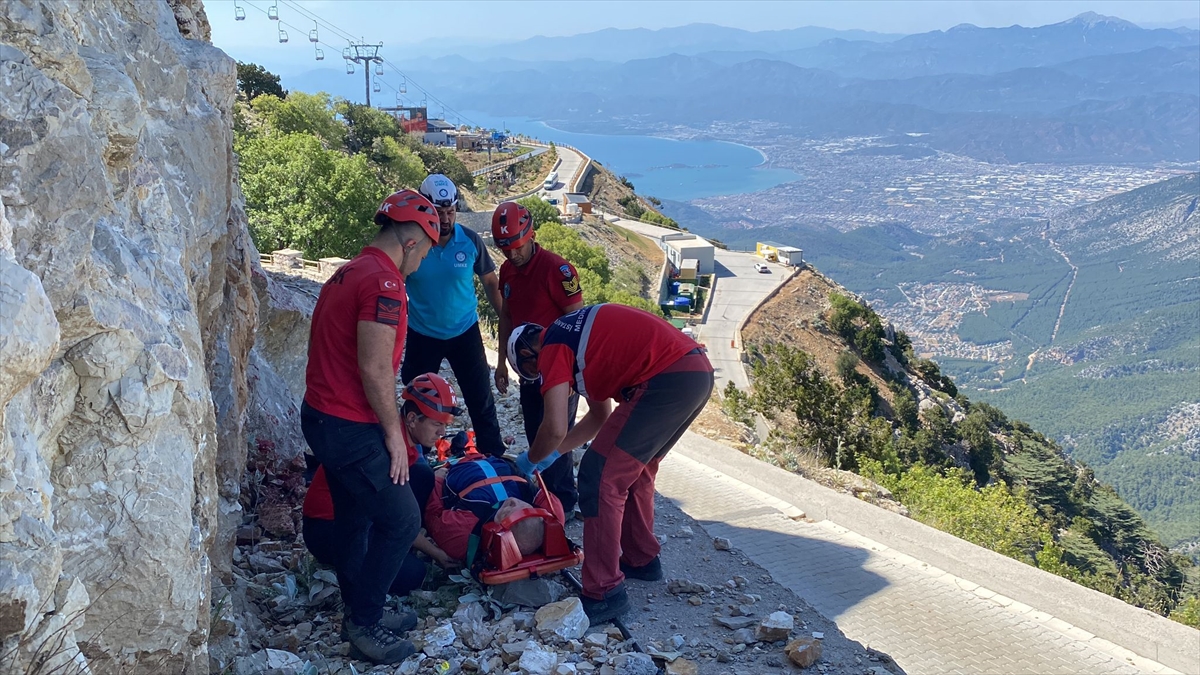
x,y
551,181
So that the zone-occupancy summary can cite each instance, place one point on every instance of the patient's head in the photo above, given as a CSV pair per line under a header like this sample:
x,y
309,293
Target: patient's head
x,y
530,533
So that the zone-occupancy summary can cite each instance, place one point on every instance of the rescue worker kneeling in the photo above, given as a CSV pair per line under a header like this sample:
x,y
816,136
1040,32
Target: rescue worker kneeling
x,y
479,490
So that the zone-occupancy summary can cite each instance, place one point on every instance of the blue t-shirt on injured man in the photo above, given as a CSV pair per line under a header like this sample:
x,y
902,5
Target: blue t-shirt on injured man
x,y
441,293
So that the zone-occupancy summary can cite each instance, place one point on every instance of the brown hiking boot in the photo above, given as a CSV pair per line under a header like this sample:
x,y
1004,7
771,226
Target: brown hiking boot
x,y
377,644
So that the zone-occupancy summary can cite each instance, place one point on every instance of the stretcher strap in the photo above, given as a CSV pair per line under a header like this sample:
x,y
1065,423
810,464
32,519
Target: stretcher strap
x,y
493,480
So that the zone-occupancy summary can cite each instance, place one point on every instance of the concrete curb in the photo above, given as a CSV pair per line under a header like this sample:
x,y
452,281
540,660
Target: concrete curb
x,y
1072,609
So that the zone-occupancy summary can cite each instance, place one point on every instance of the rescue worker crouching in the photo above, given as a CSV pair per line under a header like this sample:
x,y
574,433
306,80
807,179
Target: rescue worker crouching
x,y
661,380
352,424
536,286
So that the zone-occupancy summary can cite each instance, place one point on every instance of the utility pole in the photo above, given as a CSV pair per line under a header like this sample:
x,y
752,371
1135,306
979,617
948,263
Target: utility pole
x,y
364,54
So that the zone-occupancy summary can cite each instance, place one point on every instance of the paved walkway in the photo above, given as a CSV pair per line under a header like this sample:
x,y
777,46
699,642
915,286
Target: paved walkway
x,y
925,619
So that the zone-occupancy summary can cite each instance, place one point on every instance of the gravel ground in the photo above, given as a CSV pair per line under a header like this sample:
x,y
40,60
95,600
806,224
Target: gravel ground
x,y
738,586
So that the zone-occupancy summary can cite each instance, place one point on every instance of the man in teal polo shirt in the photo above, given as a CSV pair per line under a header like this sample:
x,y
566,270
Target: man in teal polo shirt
x,y
442,319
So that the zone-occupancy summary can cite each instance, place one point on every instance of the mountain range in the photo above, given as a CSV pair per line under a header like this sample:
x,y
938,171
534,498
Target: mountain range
x,y
1091,89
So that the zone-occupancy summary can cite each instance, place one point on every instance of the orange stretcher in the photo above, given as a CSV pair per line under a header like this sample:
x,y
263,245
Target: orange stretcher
x,y
502,563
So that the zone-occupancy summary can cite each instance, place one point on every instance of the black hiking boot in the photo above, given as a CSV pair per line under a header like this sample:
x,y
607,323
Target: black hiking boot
x,y
614,604
376,644
397,621
651,571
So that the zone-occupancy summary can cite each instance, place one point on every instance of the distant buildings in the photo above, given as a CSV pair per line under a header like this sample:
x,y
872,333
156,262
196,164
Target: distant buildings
x,y
683,247
784,255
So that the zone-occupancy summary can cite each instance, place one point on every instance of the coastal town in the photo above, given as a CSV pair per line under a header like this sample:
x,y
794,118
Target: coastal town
x,y
854,182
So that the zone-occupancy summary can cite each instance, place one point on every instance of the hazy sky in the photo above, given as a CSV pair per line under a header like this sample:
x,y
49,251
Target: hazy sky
x,y
450,22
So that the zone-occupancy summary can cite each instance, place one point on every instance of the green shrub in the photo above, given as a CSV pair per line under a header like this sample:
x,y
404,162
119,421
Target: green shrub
x,y
992,517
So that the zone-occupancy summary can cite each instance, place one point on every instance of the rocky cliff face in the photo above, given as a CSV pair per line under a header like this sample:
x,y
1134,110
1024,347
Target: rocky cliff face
x,y
126,319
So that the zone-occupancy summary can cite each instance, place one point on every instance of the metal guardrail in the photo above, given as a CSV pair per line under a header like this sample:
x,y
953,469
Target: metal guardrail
x,y
508,162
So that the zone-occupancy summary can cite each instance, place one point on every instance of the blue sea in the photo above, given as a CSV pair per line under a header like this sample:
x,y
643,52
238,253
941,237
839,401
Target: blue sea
x,y
660,167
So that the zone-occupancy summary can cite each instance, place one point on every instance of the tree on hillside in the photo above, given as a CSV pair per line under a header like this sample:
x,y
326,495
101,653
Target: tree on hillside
x,y
402,167
304,196
541,210
364,125
567,243
302,113
443,161
254,81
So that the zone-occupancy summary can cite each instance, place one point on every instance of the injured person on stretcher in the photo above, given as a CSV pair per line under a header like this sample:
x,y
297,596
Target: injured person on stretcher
x,y
503,525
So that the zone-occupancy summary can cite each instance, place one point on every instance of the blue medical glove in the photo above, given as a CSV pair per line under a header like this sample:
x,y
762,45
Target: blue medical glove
x,y
545,463
525,466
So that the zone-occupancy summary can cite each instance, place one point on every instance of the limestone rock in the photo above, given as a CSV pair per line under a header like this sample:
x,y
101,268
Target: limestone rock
x,y
511,652
682,586
744,636
682,666
438,639
126,320
777,626
270,660
564,619
803,651
735,622
634,664
537,660
529,592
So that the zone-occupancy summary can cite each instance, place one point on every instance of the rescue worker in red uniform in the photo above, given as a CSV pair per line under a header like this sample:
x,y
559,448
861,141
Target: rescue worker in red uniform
x,y
352,424
661,380
536,286
429,405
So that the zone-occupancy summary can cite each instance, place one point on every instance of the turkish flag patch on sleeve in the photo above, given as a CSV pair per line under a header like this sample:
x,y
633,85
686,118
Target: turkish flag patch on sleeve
x,y
387,310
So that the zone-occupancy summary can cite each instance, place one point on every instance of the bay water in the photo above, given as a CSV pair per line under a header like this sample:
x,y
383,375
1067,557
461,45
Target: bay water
x,y
660,167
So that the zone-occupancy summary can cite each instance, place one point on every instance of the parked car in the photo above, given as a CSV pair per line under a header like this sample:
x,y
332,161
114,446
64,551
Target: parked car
x,y
762,268
552,201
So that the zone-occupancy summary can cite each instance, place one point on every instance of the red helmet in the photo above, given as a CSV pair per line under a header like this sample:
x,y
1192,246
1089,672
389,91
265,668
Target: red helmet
x,y
433,396
512,226
410,206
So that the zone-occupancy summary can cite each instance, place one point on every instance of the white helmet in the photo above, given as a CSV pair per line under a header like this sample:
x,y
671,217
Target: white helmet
x,y
524,337
439,190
